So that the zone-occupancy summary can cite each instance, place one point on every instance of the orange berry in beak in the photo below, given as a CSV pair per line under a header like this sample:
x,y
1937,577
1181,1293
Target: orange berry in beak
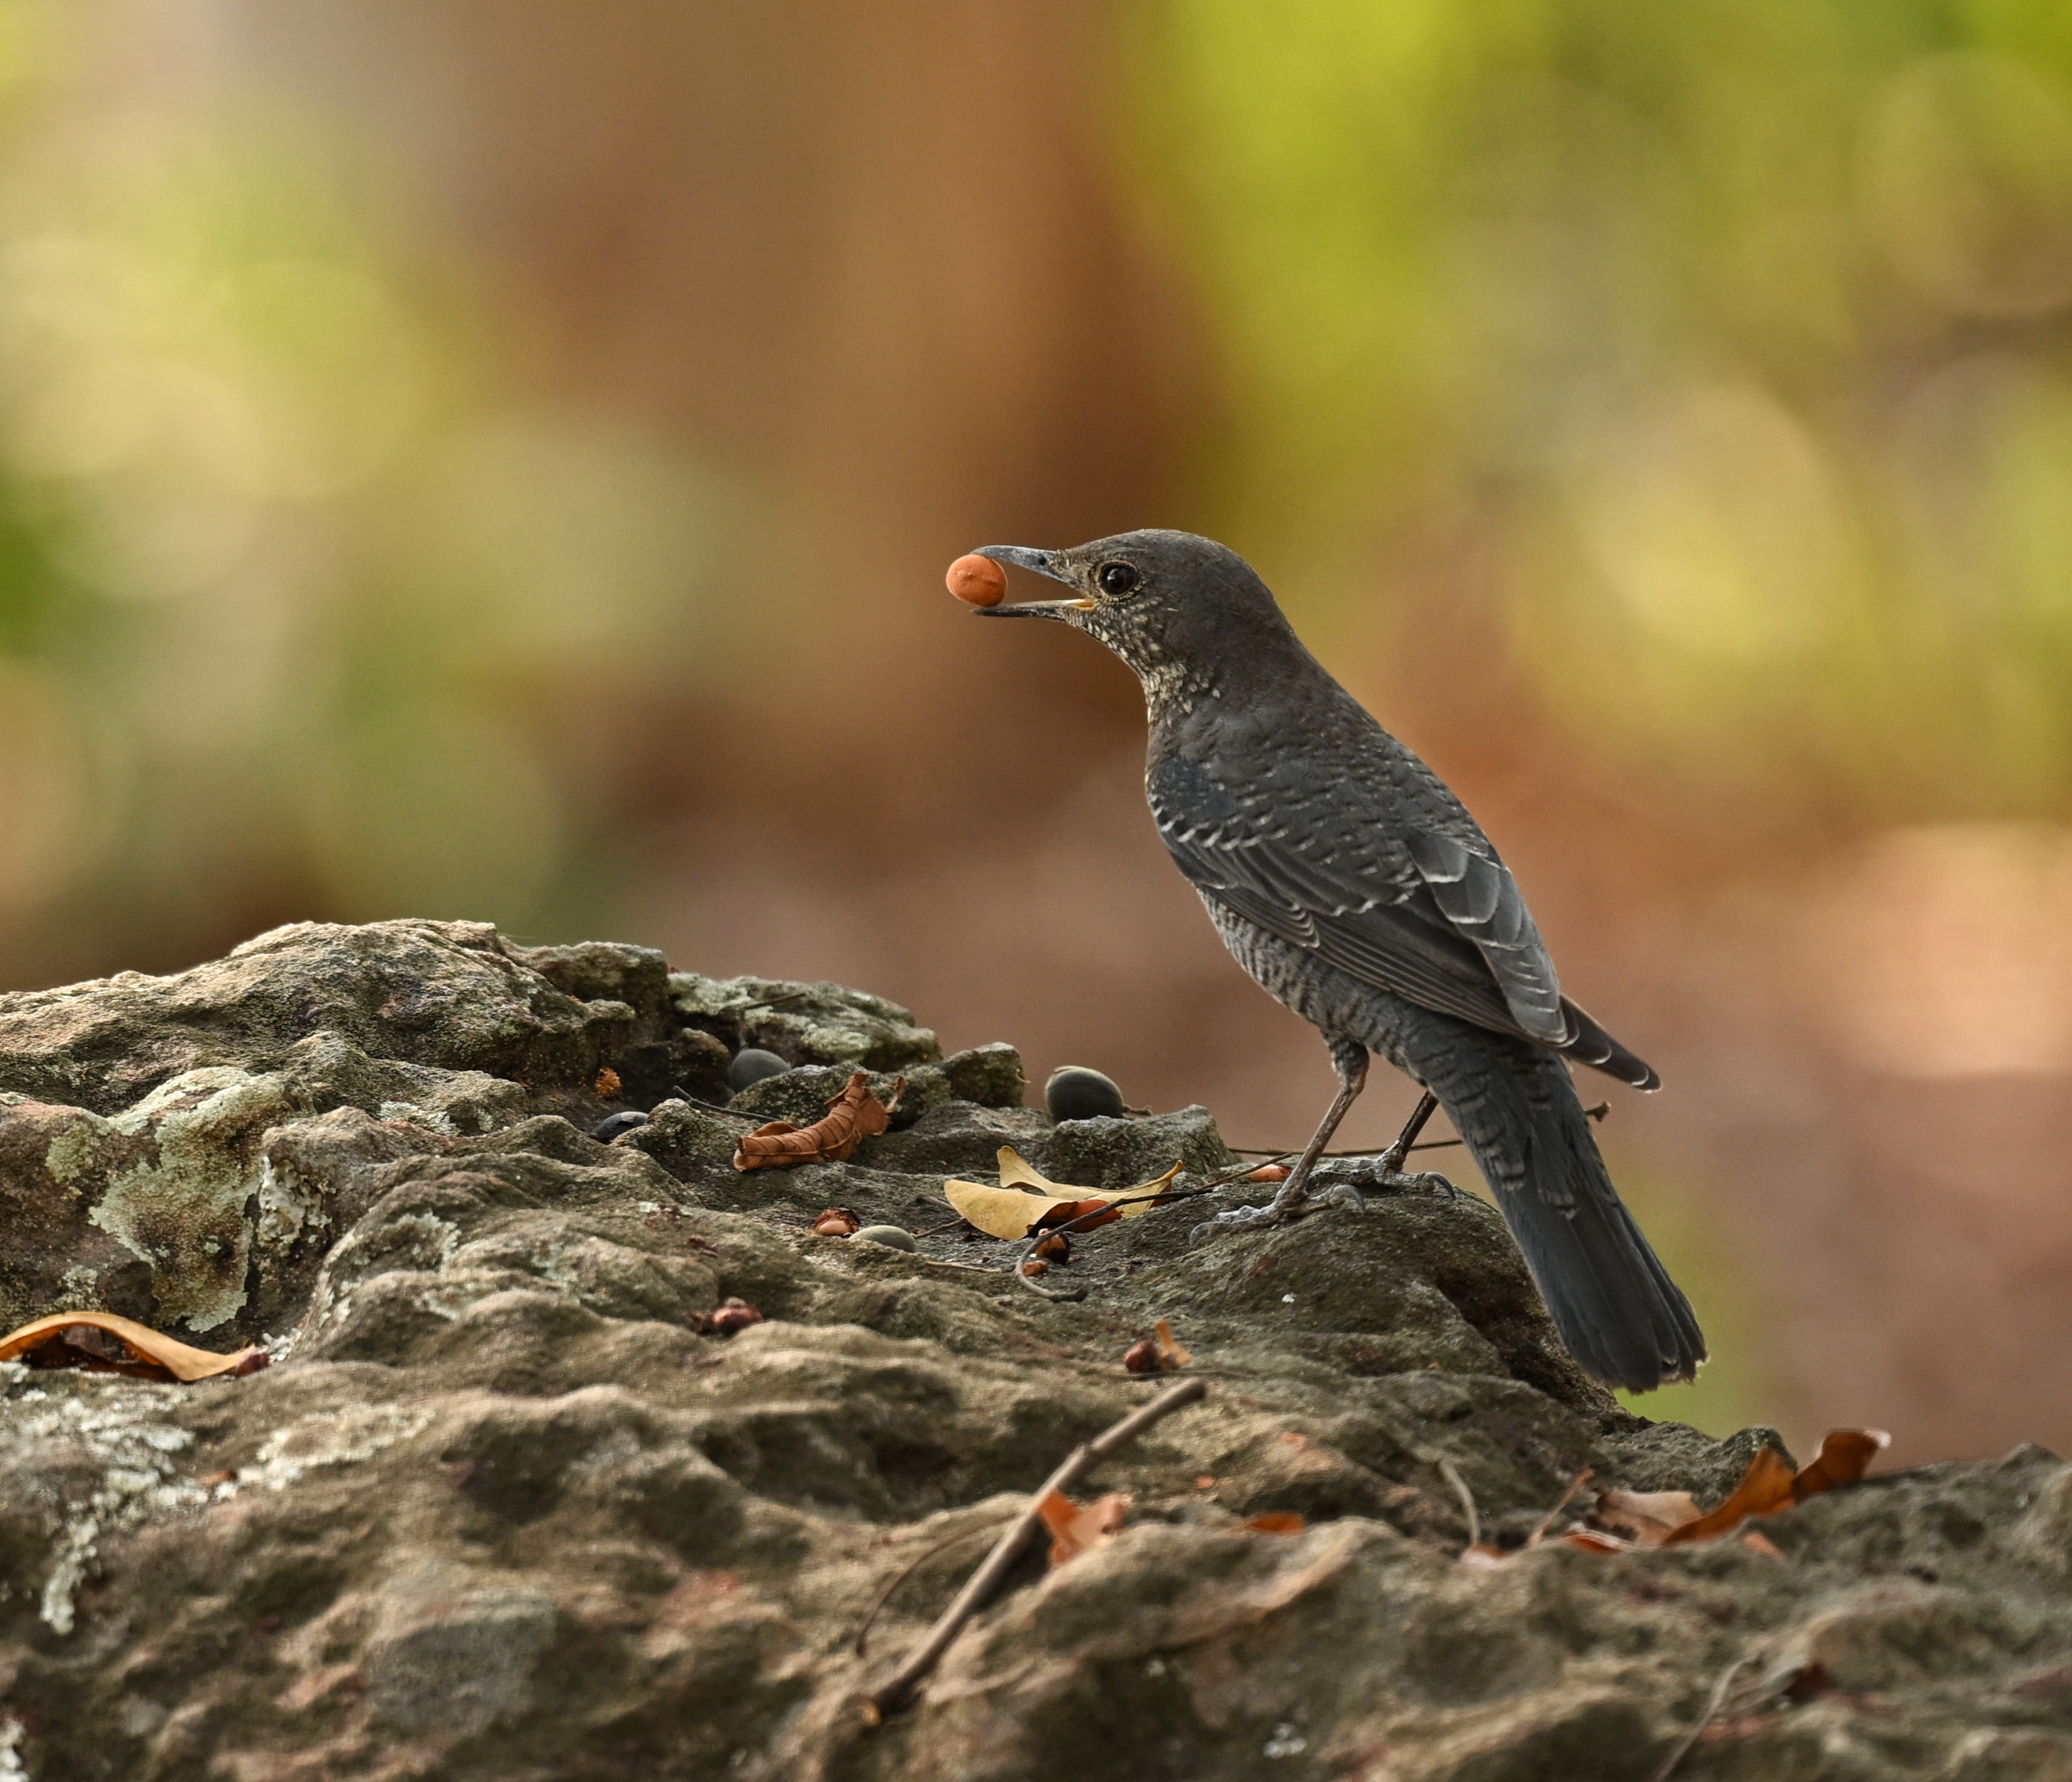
x,y
977,582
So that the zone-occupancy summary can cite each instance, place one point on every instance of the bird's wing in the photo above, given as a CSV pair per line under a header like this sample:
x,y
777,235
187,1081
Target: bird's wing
x,y
1342,870
1476,892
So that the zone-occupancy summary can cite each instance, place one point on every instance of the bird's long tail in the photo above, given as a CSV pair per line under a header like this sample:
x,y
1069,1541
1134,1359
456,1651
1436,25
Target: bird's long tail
x,y
1613,1302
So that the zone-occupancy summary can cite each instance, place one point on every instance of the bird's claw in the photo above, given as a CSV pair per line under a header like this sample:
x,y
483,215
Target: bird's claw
x,y
1380,1175
1321,1195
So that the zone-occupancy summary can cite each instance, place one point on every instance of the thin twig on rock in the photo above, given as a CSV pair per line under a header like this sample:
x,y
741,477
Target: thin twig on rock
x,y
1711,1707
1467,1500
895,1690
1560,1503
908,1570
731,1113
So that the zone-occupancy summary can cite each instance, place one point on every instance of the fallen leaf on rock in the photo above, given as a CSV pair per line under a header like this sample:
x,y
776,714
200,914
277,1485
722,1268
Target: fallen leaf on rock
x,y
1765,1487
1591,1540
853,1116
837,1222
1170,1353
1276,1522
731,1315
609,1087
1026,1202
1079,1528
100,1342
1646,1518
1757,1542
1672,1519
1845,1456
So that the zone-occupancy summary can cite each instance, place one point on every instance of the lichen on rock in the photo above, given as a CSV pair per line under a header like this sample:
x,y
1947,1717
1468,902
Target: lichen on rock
x,y
498,1510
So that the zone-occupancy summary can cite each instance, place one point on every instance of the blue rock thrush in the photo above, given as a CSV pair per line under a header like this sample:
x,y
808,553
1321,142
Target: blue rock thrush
x,y
1353,886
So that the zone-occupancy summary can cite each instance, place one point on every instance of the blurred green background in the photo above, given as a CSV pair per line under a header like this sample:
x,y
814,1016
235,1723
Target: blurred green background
x,y
498,460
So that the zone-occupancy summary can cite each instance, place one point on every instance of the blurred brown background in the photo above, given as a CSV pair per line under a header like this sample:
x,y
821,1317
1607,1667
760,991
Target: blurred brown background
x,y
498,460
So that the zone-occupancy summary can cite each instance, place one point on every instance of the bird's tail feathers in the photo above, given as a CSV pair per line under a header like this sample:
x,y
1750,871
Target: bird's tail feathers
x,y
1612,1301
1588,1044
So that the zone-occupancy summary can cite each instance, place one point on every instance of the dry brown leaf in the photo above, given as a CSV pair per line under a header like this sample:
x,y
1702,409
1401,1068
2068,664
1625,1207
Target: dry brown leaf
x,y
1594,1540
1757,1542
1671,1519
102,1343
1025,1201
1078,1528
1844,1456
1647,1519
1170,1353
853,1116
609,1087
1276,1522
1765,1487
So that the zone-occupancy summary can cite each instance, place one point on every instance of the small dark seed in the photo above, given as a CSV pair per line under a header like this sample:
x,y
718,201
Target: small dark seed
x,y
1075,1093
609,1127
752,1065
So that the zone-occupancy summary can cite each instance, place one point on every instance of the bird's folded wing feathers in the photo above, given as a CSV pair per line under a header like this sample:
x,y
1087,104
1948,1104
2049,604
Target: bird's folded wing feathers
x,y
1457,937
1476,894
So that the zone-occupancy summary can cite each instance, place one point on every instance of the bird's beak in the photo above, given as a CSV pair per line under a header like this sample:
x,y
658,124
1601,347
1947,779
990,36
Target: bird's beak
x,y
1044,562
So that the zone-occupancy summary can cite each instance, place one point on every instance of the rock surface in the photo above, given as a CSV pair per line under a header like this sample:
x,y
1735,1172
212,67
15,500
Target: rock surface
x,y
496,1511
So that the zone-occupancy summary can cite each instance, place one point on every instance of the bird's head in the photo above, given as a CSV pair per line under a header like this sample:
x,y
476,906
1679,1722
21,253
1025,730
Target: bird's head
x,y
1165,602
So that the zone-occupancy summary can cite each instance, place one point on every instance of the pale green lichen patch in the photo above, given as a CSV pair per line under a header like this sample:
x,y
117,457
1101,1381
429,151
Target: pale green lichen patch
x,y
183,1213
71,1153
126,1457
81,1290
340,1438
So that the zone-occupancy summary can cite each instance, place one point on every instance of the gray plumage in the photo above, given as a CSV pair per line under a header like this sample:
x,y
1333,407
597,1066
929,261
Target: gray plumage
x,y
1354,887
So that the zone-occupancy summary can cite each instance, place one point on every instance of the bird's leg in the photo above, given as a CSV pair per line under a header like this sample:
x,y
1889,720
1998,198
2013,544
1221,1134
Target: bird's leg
x,y
1398,1154
1385,1171
1348,1057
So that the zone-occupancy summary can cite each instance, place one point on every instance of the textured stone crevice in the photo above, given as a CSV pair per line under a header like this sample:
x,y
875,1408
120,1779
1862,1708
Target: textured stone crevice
x,y
496,1511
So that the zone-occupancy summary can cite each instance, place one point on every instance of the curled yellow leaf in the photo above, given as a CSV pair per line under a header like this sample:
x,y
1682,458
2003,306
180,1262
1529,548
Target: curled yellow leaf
x,y
1025,1199
100,1342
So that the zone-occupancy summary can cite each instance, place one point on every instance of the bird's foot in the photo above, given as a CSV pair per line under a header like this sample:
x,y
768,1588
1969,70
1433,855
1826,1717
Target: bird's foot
x,y
1283,1210
1381,1175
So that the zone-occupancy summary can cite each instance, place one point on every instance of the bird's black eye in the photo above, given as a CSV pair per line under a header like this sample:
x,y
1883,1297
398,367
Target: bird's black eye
x,y
1117,579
